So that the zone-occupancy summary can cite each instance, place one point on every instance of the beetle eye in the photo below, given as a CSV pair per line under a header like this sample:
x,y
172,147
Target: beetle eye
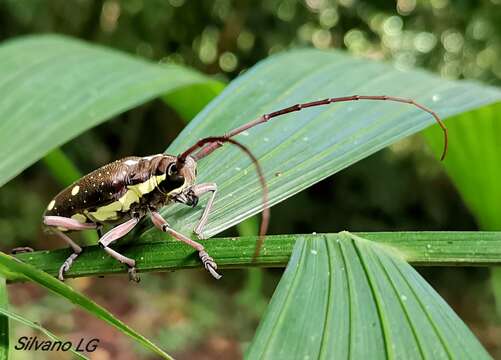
x,y
172,169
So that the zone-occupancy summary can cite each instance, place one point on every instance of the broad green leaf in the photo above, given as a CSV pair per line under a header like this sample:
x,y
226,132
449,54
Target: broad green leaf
x,y
346,297
474,167
16,317
474,163
4,321
189,101
420,248
61,167
302,148
12,268
54,87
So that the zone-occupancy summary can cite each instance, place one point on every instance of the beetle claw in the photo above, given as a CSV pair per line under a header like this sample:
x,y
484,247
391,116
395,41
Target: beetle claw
x,y
209,264
66,265
133,276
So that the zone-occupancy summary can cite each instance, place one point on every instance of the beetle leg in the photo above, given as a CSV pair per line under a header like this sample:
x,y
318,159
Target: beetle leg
x,y
69,261
199,190
114,234
67,223
208,262
21,249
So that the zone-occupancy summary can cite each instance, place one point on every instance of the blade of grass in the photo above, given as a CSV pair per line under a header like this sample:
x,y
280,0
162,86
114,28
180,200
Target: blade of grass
x,y
4,321
31,324
10,266
418,248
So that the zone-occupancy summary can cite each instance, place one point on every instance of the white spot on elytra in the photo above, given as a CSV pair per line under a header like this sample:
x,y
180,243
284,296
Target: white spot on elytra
x,y
102,183
75,190
130,162
51,205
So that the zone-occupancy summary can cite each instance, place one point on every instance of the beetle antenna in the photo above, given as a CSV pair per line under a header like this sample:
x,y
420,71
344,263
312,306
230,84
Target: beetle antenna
x,y
265,219
264,118
210,144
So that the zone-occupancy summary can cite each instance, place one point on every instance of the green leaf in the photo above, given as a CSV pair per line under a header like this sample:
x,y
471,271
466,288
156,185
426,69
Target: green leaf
x,y
4,321
420,248
7,313
54,87
186,104
11,267
473,164
346,297
61,167
474,168
302,148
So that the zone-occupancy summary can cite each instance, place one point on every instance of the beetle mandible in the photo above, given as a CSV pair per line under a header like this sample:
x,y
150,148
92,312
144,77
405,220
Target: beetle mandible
x,y
123,192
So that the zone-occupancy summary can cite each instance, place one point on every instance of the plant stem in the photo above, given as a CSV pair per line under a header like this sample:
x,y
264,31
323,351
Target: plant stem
x,y
418,248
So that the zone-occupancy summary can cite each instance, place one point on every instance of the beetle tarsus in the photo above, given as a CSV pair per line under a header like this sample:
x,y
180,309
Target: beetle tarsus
x,y
66,265
133,276
199,235
209,264
21,249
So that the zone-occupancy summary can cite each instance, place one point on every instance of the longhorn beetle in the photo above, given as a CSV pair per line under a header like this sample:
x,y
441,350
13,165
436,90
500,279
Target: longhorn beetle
x,y
123,192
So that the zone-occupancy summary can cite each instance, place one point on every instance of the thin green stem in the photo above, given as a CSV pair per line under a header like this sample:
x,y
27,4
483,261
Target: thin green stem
x,y
418,248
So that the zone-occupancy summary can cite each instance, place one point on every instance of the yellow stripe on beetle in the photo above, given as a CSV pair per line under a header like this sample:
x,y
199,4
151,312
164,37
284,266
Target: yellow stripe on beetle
x,y
132,196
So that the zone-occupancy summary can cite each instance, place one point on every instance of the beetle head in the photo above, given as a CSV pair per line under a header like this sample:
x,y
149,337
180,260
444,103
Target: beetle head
x,y
188,171
177,178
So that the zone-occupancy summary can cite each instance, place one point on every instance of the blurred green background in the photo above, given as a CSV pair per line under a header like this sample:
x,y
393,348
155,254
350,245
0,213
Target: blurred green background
x,y
401,188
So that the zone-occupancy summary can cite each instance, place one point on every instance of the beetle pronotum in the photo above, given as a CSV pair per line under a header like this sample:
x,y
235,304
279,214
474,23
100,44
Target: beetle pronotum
x,y
124,191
